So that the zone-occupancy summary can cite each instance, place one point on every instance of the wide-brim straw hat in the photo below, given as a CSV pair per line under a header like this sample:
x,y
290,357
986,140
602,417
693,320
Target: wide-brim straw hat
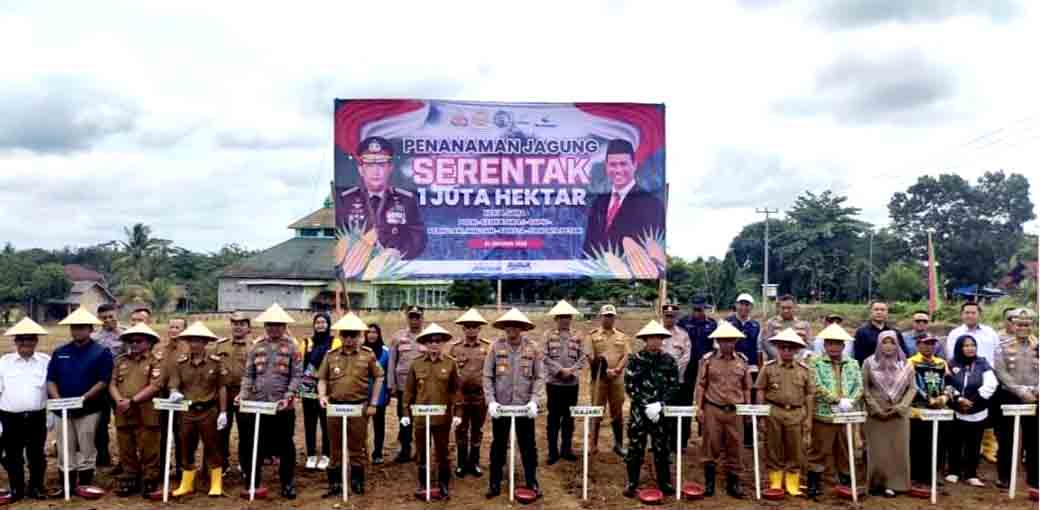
x,y
197,330
350,322
563,308
788,335
141,329
81,317
726,331
274,315
431,331
514,316
472,316
835,332
653,328
26,326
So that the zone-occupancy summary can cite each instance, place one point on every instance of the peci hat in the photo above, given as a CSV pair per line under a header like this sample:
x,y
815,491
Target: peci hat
x,y
350,322
141,329
514,316
653,328
788,335
431,331
608,310
835,332
745,297
274,315
81,317
698,301
563,308
26,326
238,316
198,330
726,331
472,316
414,310
669,308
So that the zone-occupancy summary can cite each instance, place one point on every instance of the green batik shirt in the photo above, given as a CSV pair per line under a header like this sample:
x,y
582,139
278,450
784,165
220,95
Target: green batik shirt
x,y
827,391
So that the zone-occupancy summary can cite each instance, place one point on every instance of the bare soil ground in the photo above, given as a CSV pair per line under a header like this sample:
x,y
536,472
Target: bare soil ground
x,y
391,485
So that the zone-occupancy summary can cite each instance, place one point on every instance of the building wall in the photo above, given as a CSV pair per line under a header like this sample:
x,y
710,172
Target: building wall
x,y
232,295
93,298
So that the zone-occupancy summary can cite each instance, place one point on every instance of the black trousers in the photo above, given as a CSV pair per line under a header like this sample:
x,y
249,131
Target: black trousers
x,y
965,441
276,440
379,431
404,434
104,458
313,417
561,398
921,449
234,416
24,437
524,442
1005,430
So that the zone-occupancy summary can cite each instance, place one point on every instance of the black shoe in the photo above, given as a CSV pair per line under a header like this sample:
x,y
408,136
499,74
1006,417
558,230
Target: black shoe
x,y
664,478
552,459
494,490
813,490
357,479
474,462
289,491
16,494
733,486
632,483
443,483
462,458
568,456
845,480
404,456
147,488
709,480
36,493
1001,484
86,477
333,474
420,480
377,460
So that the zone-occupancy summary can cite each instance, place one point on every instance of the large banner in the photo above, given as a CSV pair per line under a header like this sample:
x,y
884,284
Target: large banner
x,y
451,189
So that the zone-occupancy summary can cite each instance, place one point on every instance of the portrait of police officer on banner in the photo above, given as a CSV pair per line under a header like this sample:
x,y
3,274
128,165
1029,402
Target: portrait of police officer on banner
x,y
393,212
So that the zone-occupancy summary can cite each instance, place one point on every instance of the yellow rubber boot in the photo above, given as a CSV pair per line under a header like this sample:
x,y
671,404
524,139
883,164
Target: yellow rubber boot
x,y
216,482
776,480
794,484
187,484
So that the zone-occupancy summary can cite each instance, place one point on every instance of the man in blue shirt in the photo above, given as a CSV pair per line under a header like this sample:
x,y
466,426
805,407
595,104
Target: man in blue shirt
x,y
698,326
80,368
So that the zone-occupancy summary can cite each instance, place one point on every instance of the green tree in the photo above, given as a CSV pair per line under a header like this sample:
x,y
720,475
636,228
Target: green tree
x,y
976,227
470,293
48,282
160,293
902,282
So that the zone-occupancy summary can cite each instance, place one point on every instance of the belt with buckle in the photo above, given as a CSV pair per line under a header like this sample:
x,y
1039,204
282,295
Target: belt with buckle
x,y
788,407
202,406
729,408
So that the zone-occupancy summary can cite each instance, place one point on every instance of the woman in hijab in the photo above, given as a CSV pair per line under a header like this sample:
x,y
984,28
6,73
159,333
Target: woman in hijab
x,y
888,389
374,341
313,350
969,384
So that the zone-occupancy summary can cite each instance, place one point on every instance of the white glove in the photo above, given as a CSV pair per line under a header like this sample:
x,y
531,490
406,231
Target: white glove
x,y
844,405
1,430
532,409
406,421
176,396
456,421
653,411
493,409
222,421
51,421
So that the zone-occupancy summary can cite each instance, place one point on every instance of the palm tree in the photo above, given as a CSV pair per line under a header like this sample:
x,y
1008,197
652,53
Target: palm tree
x,y
161,292
142,254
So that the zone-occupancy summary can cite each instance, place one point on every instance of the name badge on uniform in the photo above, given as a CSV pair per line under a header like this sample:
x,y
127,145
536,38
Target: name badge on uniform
x,y
396,215
335,370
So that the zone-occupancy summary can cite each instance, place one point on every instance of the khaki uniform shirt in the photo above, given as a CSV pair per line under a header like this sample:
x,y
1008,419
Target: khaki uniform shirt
x,y
168,353
233,354
273,370
199,378
774,326
348,374
469,358
612,346
130,375
788,388
514,375
432,382
404,350
1016,364
723,380
563,349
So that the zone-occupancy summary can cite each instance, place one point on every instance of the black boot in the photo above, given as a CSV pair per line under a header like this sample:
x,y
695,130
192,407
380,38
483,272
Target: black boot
x,y
845,480
405,454
463,459
60,491
664,476
289,491
495,486
443,482
733,486
566,453
357,479
420,483
617,426
632,483
474,461
17,481
709,480
86,477
36,493
813,489
334,476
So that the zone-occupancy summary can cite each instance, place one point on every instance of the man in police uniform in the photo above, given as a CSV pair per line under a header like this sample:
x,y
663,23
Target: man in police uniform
x,y
698,326
392,212
651,378
514,375
232,352
433,380
346,376
723,381
678,346
135,381
471,406
565,356
272,374
403,351
1016,364
785,319
610,350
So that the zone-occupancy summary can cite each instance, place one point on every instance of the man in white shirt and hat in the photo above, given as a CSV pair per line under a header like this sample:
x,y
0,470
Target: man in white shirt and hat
x,y
23,420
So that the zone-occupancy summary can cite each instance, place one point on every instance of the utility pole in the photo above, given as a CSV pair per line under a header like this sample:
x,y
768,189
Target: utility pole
x,y
765,276
870,269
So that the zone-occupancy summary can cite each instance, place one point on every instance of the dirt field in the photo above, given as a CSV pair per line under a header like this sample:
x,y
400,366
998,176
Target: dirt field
x,y
391,485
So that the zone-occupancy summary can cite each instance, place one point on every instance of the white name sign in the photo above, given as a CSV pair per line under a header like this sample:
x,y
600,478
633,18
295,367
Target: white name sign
x,y
851,417
165,404
256,406
429,410
753,409
348,410
937,414
57,404
676,411
581,411
511,411
1009,409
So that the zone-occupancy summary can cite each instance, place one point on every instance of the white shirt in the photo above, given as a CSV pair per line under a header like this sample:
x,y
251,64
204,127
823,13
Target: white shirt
x,y
23,382
986,340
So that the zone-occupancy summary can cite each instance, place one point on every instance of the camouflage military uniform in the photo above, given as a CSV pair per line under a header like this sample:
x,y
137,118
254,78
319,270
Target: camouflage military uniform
x,y
649,377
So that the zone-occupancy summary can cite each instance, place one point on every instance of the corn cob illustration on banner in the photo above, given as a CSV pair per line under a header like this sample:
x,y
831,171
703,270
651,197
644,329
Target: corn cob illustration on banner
x,y
362,255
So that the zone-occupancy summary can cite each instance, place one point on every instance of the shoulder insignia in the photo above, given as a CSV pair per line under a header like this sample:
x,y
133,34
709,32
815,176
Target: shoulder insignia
x,y
121,356
450,357
222,340
708,355
182,358
214,357
486,341
741,355
337,350
802,364
404,192
366,348
349,191
770,362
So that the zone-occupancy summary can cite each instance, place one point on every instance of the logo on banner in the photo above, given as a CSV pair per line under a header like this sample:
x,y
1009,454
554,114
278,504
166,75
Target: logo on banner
x,y
503,119
481,120
459,120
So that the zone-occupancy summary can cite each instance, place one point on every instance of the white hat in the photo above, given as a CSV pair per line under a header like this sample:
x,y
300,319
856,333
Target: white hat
x,y
746,297
197,330
430,331
788,335
81,317
514,316
26,326
275,315
472,316
349,322
726,331
141,329
563,308
835,332
653,328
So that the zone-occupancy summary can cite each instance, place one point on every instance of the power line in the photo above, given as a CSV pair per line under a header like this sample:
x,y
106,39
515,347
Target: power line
x,y
765,277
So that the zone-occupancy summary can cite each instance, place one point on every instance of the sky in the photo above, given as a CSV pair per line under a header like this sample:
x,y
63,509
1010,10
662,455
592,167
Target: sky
x,y
212,121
